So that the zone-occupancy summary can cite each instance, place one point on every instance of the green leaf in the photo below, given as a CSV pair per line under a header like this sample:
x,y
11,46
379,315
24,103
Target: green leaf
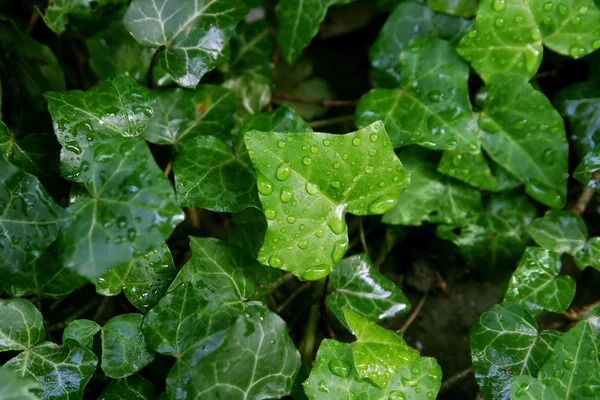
x,y
378,353
144,279
559,231
470,168
192,34
432,106
505,342
257,360
249,228
29,218
536,284
508,34
430,196
408,21
587,170
81,331
356,285
283,119
326,175
62,371
589,255
56,15
116,107
252,49
579,104
15,387
21,325
334,376
127,215
252,90
131,388
570,373
525,135
460,8
497,237
124,348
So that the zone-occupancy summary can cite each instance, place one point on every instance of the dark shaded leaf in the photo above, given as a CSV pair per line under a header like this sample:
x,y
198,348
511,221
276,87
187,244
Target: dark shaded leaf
x,y
21,325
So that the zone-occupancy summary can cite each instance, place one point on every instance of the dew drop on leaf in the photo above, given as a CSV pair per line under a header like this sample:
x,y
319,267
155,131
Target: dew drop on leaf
x,y
340,368
283,172
397,395
265,186
316,272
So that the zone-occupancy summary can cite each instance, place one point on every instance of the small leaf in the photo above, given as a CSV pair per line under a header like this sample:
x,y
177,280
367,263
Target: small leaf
x,y
589,255
252,49
356,285
56,16
252,90
124,348
559,231
131,388
21,325
15,387
326,175
432,106
144,279
587,170
460,8
192,34
258,338
536,284
505,342
81,331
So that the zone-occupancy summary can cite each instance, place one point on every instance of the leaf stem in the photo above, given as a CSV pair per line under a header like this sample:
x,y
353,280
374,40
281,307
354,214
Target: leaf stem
x,y
307,344
168,168
325,102
451,381
415,312
331,121
361,234
35,16
583,200
153,62
291,297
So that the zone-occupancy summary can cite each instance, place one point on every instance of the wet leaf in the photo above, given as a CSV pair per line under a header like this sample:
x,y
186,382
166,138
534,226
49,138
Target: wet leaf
x,y
81,331
326,175
15,387
560,231
587,170
460,8
252,47
249,228
356,285
589,255
283,119
131,388
253,92
57,14
21,325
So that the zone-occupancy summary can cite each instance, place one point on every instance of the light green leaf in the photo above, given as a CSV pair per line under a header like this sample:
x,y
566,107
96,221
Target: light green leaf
x,y
430,196
252,49
62,371
21,325
408,21
460,8
356,285
559,231
29,218
265,360
589,255
127,215
283,119
15,387
249,228
536,284
81,331
131,388
144,279
124,347
56,16
324,175
525,135
252,90
587,170
116,107
505,342
432,106
192,33
378,353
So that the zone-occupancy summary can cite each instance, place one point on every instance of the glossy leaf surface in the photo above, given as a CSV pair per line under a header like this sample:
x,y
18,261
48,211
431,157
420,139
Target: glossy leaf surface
x,y
587,170
15,387
589,255
559,231
461,8
131,388
252,49
81,331
21,325
56,15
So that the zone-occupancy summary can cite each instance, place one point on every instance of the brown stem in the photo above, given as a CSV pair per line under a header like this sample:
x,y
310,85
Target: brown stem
x,y
153,62
361,234
414,312
194,215
583,200
168,168
325,102
448,383
578,315
35,16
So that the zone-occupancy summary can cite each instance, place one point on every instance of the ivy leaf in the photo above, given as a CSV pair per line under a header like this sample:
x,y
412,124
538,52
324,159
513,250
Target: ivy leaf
x,y
460,8
15,387
334,376
505,342
252,49
497,237
589,255
21,325
559,231
536,284
249,228
430,196
127,215
579,104
29,218
408,21
144,279
378,353
258,338
124,348
326,175
355,285
570,373
131,388
252,90
432,106
283,119
81,331
587,170
56,15
116,107
523,133
62,371
192,34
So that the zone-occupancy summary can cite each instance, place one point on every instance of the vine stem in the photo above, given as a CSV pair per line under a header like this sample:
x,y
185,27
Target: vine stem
x,y
451,381
414,313
583,200
168,168
325,102
307,344
153,62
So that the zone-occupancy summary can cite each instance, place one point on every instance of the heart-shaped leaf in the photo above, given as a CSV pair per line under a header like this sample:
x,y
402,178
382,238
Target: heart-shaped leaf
x,y
560,231
587,170
81,331
131,388
21,325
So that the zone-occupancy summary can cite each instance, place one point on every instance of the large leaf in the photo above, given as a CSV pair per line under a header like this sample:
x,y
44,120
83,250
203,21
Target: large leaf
x,y
356,285
131,210
432,106
536,284
324,175
124,347
15,387
116,107
431,196
29,218
526,136
144,279
257,360
62,371
505,342
132,388
21,325
560,231
192,33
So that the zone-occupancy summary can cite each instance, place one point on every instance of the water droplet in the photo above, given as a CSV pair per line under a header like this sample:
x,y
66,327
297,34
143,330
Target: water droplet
x,y
373,152
596,44
283,172
549,156
314,149
576,20
322,387
562,9
286,195
374,137
576,51
499,5
281,143
336,184
303,244
275,261
368,169
435,373
536,34
397,395
336,221
499,23
356,141
568,364
319,233
436,95
316,272
583,10
307,161
548,6
326,142
457,160
412,382
339,249
593,354
291,220
383,204
559,373
270,212
340,368
265,186
311,188
415,370
519,19
336,165
521,124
